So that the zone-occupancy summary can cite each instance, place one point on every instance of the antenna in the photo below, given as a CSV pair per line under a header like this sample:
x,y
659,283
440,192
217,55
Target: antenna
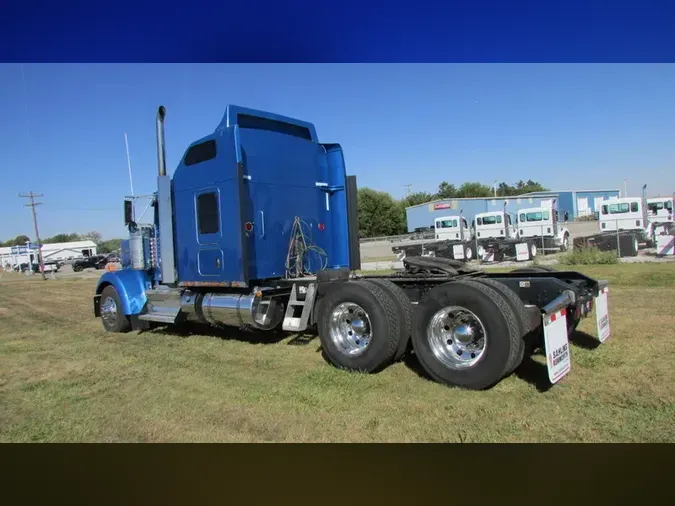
x,y
131,181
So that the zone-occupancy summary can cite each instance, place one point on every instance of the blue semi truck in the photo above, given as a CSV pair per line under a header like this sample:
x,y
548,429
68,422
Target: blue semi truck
x,y
257,229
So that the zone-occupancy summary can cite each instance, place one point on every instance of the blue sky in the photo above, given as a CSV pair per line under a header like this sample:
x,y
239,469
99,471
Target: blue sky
x,y
567,126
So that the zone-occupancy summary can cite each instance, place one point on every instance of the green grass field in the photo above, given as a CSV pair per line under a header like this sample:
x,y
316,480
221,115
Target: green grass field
x,y
63,379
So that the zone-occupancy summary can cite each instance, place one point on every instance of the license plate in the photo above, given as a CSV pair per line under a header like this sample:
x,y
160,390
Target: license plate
x,y
602,314
558,360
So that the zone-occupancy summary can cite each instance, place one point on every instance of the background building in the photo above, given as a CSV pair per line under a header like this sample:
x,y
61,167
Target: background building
x,y
56,251
577,203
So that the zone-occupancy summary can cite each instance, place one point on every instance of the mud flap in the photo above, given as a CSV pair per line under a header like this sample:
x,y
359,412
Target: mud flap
x,y
556,344
458,252
602,314
522,252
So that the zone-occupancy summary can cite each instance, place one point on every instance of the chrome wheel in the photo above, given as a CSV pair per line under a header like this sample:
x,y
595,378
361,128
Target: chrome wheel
x,y
533,250
109,312
566,243
457,337
468,254
350,328
480,251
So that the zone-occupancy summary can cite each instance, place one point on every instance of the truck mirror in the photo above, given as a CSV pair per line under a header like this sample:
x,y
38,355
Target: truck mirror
x,y
128,212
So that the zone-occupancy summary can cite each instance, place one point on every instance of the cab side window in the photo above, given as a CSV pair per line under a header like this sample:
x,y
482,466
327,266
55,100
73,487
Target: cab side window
x,y
208,220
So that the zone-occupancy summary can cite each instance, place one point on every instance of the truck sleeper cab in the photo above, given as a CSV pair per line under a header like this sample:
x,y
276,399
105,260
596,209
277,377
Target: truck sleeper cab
x,y
258,229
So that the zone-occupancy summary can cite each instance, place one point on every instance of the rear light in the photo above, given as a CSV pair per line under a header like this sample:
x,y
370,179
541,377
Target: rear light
x,y
248,226
321,227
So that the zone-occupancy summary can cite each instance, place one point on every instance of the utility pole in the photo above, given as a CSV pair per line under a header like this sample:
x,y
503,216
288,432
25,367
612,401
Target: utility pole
x,y
32,205
407,189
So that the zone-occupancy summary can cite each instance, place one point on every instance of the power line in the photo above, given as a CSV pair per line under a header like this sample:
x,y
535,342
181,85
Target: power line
x,y
32,205
61,208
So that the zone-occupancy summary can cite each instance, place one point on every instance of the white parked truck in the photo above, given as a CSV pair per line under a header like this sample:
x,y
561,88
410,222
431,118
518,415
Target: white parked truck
x,y
496,237
541,223
660,215
624,225
452,239
495,225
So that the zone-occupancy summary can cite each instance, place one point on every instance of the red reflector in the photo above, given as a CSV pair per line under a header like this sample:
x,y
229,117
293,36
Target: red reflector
x,y
322,226
248,226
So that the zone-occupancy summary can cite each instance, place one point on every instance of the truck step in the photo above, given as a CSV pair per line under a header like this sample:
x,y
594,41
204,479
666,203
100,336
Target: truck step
x,y
159,317
294,323
165,312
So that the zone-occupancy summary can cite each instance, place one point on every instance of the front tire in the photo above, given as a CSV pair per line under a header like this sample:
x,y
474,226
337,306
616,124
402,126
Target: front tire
x,y
112,315
465,335
359,327
533,250
468,253
565,243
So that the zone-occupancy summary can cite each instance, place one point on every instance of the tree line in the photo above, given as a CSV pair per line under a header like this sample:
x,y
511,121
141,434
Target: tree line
x,y
107,246
381,214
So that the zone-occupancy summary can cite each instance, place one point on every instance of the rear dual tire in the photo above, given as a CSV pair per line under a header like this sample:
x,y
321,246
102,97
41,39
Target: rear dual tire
x,y
467,334
364,325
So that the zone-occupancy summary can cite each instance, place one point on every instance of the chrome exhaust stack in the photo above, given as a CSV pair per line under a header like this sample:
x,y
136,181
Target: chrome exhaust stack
x,y
164,207
161,151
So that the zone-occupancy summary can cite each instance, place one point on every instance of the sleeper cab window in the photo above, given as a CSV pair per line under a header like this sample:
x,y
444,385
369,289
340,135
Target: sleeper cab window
x,y
201,153
633,207
207,213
